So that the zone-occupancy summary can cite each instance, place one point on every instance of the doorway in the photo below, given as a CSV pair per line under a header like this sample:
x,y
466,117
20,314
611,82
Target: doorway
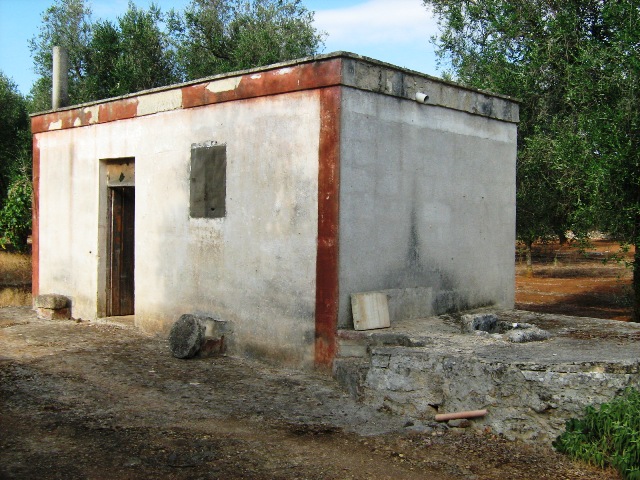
x,y
120,251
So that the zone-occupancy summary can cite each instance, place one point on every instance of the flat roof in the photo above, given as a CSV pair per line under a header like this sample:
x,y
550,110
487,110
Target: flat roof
x,y
320,71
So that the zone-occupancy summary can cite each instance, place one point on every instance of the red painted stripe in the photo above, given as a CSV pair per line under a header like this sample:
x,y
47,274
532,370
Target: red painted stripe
x,y
40,123
35,226
118,110
327,289
295,78
283,80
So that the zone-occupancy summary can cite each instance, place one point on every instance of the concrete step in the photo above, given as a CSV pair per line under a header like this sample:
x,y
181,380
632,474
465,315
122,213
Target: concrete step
x,y
352,343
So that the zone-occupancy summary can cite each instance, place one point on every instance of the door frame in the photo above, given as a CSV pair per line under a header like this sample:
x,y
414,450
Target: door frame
x,y
114,173
120,293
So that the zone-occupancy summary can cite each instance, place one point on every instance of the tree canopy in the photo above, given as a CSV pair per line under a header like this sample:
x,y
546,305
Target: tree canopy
x,y
131,55
575,66
66,23
149,48
15,138
15,166
217,36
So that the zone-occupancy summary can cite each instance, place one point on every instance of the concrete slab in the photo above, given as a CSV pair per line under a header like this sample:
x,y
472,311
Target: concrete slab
x,y
370,311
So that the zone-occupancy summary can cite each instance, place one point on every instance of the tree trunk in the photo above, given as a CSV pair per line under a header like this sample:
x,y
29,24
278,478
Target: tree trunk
x,y
528,257
562,237
636,284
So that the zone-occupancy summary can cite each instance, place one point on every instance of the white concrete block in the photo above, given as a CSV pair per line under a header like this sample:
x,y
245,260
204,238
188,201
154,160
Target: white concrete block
x,y
370,311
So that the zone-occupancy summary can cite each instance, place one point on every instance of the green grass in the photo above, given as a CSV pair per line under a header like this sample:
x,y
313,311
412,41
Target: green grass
x,y
607,436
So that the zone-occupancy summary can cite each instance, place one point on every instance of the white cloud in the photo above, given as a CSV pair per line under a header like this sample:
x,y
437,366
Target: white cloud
x,y
377,22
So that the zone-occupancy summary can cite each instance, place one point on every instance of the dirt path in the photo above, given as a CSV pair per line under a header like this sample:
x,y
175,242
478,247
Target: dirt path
x,y
98,401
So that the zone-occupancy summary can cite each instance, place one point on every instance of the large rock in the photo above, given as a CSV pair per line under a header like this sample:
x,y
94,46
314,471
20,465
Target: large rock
x,y
52,301
52,307
197,335
186,336
488,323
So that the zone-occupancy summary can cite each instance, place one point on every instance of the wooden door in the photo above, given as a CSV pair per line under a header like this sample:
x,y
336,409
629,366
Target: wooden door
x,y
120,271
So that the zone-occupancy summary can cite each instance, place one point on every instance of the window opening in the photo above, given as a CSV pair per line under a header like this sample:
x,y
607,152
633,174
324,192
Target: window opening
x,y
208,180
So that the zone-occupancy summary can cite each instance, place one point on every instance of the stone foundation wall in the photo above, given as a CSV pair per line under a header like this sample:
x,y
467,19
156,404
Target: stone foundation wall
x,y
526,401
424,367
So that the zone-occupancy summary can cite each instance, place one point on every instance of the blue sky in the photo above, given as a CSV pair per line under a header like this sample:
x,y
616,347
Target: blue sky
x,y
394,31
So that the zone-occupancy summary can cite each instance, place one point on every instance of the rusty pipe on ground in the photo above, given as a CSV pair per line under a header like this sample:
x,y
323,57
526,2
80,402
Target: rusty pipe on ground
x,y
443,417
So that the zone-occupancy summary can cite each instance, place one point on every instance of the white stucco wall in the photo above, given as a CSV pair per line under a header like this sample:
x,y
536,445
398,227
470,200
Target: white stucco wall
x,y
427,206
255,267
68,217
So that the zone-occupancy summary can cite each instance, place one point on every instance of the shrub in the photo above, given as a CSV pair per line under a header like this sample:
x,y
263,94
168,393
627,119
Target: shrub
x,y
608,436
15,216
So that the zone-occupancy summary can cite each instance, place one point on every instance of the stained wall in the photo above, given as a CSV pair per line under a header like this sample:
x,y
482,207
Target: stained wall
x,y
255,267
427,197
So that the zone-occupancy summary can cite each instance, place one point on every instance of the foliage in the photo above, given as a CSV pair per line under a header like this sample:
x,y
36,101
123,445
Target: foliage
x,y
105,59
575,65
15,166
147,48
15,138
15,216
608,436
66,23
133,55
217,36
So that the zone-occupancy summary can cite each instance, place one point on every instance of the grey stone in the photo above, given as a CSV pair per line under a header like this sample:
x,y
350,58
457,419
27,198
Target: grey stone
x,y
350,373
52,301
484,322
531,334
348,348
53,313
488,324
200,335
186,336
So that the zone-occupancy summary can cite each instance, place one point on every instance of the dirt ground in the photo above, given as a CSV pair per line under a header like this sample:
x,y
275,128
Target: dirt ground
x,y
568,281
90,400
104,401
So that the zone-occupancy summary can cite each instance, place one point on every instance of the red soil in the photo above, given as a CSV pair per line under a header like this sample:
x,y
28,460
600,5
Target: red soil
x,y
565,280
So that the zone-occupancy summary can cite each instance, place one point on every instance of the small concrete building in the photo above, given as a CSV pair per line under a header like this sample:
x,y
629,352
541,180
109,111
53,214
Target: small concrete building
x,y
268,197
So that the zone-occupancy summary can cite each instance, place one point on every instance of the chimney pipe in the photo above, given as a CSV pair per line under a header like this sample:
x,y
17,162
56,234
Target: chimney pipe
x,y
60,90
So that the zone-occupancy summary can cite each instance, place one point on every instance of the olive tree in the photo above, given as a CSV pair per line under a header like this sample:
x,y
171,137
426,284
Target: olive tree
x,y
217,36
15,171
575,66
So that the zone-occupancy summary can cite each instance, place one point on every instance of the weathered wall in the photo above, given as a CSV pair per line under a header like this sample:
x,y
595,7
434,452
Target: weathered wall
x,y
68,219
256,267
427,206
